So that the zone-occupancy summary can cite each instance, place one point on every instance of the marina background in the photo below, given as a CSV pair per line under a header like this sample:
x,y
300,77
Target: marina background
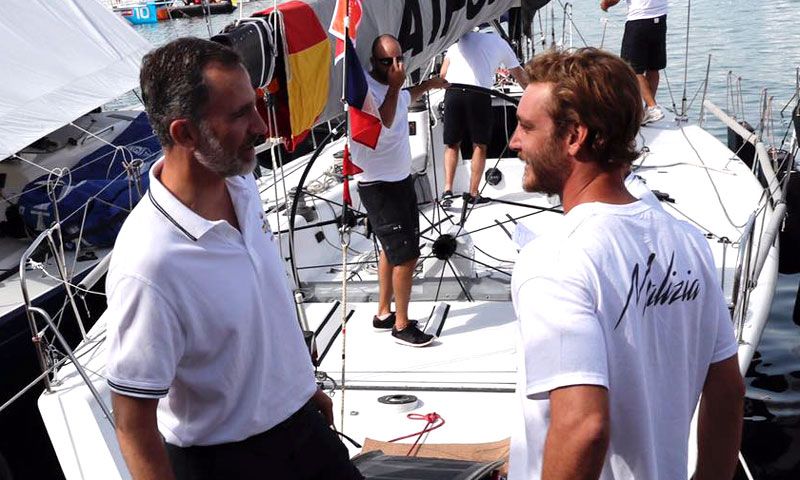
x,y
757,41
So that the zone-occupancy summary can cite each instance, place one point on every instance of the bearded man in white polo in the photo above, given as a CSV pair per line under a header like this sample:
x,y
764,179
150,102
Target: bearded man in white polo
x,y
209,373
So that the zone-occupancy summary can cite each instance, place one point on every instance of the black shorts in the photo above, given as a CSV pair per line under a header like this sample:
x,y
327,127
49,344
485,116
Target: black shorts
x,y
465,109
644,44
280,452
393,216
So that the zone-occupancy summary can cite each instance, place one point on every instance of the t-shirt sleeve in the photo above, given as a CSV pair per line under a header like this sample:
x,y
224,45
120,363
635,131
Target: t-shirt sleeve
x,y
145,340
562,338
725,346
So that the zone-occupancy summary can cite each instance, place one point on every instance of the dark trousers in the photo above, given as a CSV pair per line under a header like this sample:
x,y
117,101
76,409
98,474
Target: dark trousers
x,y
301,447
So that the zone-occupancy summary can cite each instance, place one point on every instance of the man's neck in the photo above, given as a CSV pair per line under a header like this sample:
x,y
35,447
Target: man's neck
x,y
201,190
590,183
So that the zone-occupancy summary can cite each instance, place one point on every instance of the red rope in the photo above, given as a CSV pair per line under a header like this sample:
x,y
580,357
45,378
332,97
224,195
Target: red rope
x,y
431,418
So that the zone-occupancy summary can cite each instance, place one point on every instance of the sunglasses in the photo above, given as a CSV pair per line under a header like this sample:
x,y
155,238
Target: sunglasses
x,y
389,60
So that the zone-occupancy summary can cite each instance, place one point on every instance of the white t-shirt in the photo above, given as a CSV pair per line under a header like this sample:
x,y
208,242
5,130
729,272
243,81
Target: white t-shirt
x,y
201,316
475,58
640,9
391,159
625,297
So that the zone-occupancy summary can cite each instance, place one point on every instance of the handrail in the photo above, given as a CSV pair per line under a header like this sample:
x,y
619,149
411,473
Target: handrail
x,y
776,194
45,235
78,366
774,189
741,277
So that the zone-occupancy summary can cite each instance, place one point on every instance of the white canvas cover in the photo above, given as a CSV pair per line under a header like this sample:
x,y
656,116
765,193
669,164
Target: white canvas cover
x,y
59,59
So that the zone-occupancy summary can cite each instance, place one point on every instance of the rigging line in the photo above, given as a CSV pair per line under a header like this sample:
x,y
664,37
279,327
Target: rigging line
x,y
492,256
483,264
71,272
433,153
333,212
40,266
93,135
711,180
94,197
498,223
572,22
101,157
686,59
671,95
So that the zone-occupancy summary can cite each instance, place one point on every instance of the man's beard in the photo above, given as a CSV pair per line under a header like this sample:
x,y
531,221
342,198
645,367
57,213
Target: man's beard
x,y
212,155
551,168
380,76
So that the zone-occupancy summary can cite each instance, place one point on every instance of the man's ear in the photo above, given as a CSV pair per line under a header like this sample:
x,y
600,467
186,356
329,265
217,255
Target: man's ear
x,y
577,138
184,133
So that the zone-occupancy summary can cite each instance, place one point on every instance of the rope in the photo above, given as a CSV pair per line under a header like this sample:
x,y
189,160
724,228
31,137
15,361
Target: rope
x,y
345,241
434,421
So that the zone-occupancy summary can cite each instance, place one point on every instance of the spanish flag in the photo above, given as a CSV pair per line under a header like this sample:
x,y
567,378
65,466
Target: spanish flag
x,y
307,53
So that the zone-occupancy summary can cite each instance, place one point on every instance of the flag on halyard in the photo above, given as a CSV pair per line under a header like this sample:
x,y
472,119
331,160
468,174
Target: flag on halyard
x,y
364,117
348,168
337,25
308,55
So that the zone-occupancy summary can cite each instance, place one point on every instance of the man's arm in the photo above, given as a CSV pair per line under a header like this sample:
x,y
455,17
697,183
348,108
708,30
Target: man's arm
x,y
719,425
430,84
139,439
520,76
579,431
445,65
606,4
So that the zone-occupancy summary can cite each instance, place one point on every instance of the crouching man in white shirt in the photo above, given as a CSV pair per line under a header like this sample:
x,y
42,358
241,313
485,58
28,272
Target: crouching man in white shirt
x,y
622,320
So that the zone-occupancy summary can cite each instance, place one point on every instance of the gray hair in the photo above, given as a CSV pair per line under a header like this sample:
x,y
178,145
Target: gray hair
x,y
172,81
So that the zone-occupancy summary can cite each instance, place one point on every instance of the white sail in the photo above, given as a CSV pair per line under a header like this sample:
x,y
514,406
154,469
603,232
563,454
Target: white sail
x,y
60,60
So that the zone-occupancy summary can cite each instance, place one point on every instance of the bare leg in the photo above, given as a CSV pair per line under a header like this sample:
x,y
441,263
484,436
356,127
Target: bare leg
x,y
402,276
385,287
644,86
478,164
450,161
652,82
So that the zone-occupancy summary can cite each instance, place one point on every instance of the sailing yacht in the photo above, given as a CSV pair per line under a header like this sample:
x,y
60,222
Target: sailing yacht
x,y
62,160
406,409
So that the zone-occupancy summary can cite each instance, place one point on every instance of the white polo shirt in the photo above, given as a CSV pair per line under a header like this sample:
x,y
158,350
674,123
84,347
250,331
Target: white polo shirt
x,y
201,315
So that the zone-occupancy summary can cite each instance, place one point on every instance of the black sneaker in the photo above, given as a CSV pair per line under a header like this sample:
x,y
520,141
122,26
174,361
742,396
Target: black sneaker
x,y
477,200
387,323
411,336
447,194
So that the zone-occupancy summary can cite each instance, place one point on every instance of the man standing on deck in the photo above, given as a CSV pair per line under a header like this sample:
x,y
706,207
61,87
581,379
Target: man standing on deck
x,y
386,189
623,323
644,46
209,373
473,61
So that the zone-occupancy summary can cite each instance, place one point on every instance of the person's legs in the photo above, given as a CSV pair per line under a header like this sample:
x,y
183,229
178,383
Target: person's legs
x,y
452,134
402,276
385,285
652,77
450,164
478,164
644,86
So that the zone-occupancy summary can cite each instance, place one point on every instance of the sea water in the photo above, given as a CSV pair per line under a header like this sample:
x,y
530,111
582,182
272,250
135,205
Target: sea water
x,y
752,44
